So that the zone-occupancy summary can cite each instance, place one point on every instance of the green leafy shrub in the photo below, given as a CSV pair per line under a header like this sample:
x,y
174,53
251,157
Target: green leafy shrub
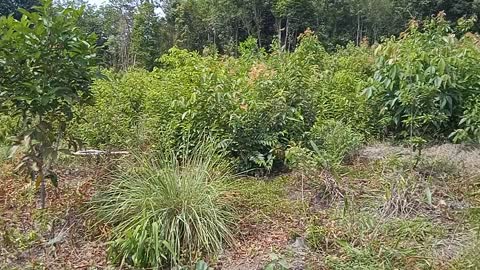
x,y
254,107
192,98
338,88
423,79
469,126
301,158
116,118
166,210
333,142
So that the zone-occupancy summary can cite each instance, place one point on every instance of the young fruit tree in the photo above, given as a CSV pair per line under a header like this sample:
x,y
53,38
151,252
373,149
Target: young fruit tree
x,y
46,68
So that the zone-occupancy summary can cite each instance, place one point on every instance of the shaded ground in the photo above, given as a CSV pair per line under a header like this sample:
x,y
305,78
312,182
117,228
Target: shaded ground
x,y
377,213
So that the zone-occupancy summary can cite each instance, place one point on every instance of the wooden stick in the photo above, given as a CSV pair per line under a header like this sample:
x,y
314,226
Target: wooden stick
x,y
99,153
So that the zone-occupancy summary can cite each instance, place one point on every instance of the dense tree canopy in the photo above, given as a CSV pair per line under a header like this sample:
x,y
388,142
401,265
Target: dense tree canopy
x,y
11,6
137,32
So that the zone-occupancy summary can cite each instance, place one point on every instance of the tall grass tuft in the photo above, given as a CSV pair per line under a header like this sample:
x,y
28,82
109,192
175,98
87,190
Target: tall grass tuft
x,y
167,209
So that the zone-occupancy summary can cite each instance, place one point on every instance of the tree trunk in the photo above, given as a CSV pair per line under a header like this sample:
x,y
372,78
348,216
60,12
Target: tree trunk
x,y
257,19
286,35
43,192
236,41
358,28
279,23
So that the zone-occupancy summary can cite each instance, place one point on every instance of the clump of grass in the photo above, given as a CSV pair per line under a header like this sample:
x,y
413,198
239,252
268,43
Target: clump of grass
x,y
401,197
328,188
264,199
319,236
168,209
334,142
361,240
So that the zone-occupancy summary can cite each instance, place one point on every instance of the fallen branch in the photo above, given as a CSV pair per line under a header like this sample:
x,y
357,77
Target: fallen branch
x,y
99,153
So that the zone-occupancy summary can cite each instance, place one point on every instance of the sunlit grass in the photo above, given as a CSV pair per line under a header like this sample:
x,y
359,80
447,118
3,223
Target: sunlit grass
x,y
167,209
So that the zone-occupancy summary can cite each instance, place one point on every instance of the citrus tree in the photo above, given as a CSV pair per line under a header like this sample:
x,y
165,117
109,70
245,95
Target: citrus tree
x,y
46,68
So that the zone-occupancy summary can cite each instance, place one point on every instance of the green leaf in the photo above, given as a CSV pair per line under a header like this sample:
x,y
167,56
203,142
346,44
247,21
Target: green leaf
x,y
438,82
169,248
53,178
368,92
441,66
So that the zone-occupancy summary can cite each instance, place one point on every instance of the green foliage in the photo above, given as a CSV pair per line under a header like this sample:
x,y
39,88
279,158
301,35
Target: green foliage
x,y
126,27
333,142
167,209
46,63
146,36
11,7
8,128
259,105
423,79
297,157
339,85
45,70
316,237
330,144
115,119
249,48
255,104
469,125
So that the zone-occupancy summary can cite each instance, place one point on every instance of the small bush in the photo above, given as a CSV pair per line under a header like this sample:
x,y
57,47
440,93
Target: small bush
x,y
115,119
167,210
334,142
300,158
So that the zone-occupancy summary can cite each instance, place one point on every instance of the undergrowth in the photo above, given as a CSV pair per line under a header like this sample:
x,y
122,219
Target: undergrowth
x,y
265,199
166,209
